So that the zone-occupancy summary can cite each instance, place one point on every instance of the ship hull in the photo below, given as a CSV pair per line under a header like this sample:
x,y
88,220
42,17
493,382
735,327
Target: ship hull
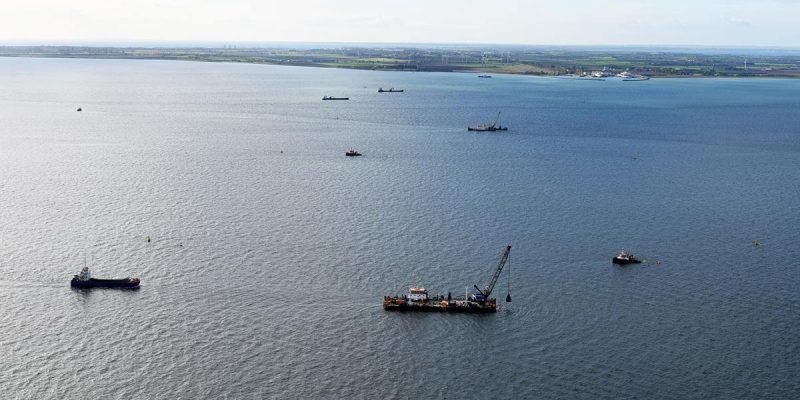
x,y
435,306
487,129
126,283
625,261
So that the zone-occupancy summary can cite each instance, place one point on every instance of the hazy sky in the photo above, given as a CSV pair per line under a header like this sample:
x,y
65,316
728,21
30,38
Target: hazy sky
x,y
572,22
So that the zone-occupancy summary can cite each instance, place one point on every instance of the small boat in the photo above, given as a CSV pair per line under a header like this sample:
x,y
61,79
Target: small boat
x,y
625,258
484,76
352,153
391,90
334,98
494,127
79,109
84,280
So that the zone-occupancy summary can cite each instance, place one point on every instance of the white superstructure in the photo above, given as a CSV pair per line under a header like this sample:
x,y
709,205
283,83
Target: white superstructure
x,y
85,275
417,294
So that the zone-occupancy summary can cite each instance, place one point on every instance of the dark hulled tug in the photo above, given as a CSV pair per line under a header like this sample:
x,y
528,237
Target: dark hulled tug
x,y
624,258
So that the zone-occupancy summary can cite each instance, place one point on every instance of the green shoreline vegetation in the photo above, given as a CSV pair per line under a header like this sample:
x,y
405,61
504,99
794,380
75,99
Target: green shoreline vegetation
x,y
528,61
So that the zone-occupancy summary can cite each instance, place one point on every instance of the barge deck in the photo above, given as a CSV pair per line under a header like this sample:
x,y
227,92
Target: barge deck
x,y
435,305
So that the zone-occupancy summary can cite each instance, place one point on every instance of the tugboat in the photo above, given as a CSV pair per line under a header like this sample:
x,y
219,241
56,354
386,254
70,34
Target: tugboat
x,y
624,258
391,90
352,153
334,98
494,127
85,281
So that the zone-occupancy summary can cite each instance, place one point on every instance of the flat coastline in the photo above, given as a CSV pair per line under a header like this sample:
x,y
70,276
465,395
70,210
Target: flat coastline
x,y
501,60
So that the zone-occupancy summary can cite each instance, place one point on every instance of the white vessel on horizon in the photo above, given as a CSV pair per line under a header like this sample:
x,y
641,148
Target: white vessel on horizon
x,y
627,76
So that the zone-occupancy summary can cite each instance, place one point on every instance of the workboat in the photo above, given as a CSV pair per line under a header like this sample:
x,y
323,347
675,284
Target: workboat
x,y
84,280
334,98
488,128
625,258
391,90
418,299
352,153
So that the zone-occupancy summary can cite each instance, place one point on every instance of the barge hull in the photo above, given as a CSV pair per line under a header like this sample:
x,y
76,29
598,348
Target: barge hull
x,y
435,306
128,283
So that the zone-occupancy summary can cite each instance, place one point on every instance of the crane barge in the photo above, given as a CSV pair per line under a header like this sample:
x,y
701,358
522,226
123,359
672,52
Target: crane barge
x,y
494,127
417,298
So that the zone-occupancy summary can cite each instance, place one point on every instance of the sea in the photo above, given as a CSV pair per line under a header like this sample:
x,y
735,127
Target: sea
x,y
264,253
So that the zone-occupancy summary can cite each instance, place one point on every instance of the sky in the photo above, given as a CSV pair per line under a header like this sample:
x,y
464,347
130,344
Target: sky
x,y
747,23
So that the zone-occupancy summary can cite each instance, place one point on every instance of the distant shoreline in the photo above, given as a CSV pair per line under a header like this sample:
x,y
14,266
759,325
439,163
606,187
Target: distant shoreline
x,y
503,60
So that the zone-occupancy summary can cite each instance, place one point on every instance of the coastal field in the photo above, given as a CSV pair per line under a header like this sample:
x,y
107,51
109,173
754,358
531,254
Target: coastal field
x,y
503,59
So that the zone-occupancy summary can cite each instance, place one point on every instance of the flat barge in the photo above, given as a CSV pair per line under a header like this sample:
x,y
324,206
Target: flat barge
x,y
437,304
494,127
417,298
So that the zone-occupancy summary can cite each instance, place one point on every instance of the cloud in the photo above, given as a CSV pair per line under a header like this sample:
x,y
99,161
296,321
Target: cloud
x,y
358,21
737,21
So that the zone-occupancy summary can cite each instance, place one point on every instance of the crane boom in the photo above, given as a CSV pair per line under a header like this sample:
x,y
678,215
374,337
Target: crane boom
x,y
488,289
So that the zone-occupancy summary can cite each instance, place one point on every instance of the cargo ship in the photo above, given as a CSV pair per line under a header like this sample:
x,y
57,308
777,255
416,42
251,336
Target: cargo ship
x,y
334,98
84,280
391,90
417,298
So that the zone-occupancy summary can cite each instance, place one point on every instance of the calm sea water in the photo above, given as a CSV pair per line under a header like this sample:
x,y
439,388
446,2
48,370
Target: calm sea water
x,y
271,250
